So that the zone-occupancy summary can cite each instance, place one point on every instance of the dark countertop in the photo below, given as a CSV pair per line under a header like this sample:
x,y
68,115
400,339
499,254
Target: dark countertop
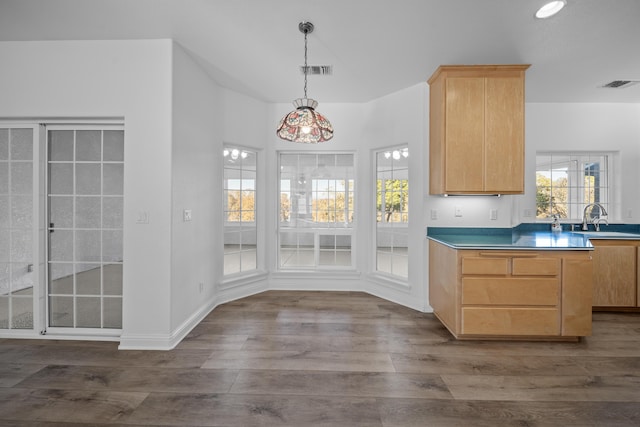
x,y
525,237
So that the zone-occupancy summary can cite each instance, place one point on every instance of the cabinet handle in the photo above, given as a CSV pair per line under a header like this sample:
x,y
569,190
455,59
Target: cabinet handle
x,y
512,254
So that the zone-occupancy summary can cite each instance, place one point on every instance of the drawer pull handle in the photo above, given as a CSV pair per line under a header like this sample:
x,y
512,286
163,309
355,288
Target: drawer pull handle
x,y
513,254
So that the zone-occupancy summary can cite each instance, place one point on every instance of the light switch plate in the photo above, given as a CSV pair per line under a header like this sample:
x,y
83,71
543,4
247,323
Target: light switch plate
x,y
186,215
143,217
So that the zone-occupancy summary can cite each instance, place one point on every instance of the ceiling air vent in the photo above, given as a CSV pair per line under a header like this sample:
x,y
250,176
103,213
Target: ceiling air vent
x,y
617,84
321,70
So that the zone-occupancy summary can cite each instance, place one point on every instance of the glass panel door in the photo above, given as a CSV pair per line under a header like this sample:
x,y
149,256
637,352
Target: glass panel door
x,y
85,205
17,276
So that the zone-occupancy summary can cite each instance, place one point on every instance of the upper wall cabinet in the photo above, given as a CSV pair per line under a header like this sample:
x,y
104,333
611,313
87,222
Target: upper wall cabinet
x,y
476,119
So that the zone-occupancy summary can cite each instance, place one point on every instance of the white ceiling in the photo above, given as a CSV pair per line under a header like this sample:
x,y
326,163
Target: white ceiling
x,y
376,47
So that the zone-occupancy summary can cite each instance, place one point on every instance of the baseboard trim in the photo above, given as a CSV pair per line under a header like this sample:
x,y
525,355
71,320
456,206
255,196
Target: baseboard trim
x,y
168,341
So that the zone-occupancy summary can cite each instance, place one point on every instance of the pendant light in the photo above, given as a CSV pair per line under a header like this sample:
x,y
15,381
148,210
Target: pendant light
x,y
305,124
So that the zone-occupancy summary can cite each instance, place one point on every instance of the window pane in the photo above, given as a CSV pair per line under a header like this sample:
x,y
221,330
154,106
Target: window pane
x,y
112,312
231,263
566,183
61,178
21,144
88,145
112,279
113,179
61,311
88,279
113,146
61,145
4,144
239,210
392,211
85,239
88,312
316,195
88,178
88,212
21,177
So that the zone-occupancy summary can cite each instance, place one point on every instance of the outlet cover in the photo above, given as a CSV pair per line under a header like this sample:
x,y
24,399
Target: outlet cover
x,y
143,217
186,215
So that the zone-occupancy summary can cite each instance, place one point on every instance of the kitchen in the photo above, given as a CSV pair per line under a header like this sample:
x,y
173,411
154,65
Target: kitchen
x,y
139,81
182,98
487,283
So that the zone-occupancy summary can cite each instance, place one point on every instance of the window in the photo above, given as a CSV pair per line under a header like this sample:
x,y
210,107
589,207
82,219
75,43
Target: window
x,y
392,211
85,203
567,182
240,234
316,210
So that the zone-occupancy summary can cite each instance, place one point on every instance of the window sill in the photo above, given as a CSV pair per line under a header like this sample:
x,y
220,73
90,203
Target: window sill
x,y
243,279
389,281
330,274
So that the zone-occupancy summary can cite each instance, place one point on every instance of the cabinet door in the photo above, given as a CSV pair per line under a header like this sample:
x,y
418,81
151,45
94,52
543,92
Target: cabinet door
x,y
504,137
576,296
614,276
464,134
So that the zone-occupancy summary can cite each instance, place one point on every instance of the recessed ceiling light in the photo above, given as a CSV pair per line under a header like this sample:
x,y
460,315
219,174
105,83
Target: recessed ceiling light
x,y
550,9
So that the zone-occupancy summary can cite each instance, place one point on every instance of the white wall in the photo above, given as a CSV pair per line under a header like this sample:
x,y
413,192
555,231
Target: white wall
x,y
348,120
399,118
173,144
553,127
196,166
362,128
246,125
587,127
112,79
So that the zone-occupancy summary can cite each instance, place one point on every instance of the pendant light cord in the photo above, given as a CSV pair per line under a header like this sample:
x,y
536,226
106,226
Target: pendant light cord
x,y
306,69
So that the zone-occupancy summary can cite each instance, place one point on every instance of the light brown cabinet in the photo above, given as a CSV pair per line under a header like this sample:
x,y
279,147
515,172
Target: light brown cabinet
x,y
615,273
511,294
476,134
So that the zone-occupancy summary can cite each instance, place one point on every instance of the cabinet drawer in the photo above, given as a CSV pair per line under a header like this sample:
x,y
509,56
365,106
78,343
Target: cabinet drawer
x,y
510,321
510,291
485,266
535,267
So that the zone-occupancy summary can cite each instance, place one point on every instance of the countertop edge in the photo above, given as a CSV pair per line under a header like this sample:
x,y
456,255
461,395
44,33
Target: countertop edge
x,y
507,247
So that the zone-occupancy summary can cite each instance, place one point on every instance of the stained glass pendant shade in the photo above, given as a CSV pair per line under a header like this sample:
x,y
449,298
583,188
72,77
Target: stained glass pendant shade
x,y
305,124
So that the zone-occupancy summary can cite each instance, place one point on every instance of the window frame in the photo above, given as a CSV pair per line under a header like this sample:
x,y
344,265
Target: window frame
x,y
391,228
239,224
317,231
577,173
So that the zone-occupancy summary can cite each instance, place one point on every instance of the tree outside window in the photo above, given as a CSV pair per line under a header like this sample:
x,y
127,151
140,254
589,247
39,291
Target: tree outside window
x,y
567,182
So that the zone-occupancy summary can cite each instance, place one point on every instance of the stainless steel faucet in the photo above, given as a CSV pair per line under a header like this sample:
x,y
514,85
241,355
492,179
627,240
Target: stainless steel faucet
x,y
601,218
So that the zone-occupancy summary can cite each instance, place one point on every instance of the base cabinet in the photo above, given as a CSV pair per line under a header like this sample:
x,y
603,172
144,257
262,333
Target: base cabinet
x,y
615,274
511,294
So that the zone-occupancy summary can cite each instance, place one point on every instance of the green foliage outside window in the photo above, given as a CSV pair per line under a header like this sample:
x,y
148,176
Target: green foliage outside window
x,y
551,197
396,200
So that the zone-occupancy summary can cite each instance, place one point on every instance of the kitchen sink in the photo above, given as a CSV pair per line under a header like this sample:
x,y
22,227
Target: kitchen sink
x,y
608,234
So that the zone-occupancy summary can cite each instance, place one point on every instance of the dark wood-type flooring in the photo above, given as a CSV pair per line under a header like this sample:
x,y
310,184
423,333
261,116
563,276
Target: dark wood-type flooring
x,y
329,359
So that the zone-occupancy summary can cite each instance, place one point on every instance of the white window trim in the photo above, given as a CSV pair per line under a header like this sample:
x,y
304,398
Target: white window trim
x,y
333,228
608,189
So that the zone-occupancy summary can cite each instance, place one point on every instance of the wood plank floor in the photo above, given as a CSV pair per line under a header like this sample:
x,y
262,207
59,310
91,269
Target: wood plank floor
x,y
327,359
